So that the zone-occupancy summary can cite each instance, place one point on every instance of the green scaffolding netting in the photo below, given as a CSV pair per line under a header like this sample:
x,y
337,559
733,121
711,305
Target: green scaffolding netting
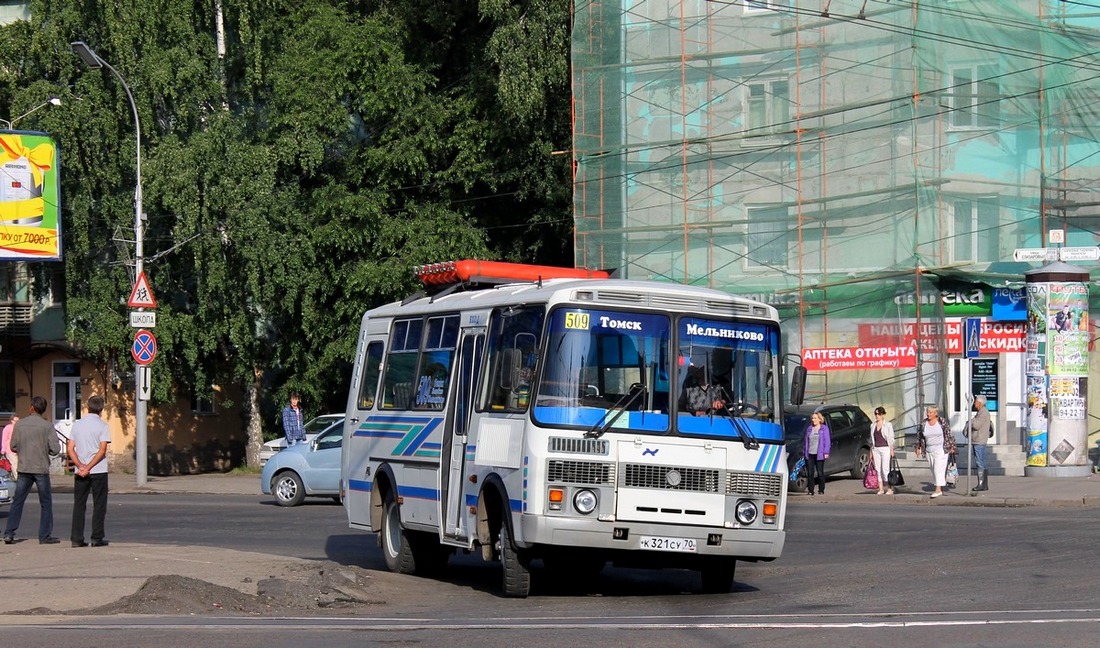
x,y
836,157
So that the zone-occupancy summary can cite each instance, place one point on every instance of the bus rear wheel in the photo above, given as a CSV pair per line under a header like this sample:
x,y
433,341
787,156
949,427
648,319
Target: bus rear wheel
x,y
396,548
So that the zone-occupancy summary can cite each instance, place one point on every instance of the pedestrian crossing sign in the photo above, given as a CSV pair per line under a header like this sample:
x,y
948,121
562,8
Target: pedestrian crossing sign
x,y
973,337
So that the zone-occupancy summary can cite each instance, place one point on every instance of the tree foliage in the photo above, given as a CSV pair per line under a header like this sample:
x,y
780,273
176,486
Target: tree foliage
x,y
292,183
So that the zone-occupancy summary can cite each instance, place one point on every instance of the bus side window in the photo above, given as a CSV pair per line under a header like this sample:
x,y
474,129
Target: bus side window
x,y
513,357
436,360
401,362
372,367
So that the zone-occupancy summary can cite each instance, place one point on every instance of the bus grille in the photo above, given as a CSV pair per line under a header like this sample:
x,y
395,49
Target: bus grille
x,y
754,484
580,472
579,446
671,478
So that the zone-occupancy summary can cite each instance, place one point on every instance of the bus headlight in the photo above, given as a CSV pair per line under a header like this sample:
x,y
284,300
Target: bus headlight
x,y
746,512
585,501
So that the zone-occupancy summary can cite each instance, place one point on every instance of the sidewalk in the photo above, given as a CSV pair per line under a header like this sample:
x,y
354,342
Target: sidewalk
x,y
59,577
209,484
1061,492
1003,491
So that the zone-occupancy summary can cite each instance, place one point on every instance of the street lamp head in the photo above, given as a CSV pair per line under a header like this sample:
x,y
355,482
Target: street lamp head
x,y
87,54
52,101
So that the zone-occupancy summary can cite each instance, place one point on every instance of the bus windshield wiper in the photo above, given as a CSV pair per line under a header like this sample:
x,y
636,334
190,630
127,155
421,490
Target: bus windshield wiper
x,y
742,427
636,391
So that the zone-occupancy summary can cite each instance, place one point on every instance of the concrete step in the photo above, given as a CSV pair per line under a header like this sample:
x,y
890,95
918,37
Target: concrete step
x,y
999,460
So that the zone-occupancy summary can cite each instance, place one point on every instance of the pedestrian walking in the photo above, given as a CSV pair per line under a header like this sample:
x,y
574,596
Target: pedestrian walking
x,y
979,434
35,441
87,449
935,440
293,421
882,448
815,447
12,457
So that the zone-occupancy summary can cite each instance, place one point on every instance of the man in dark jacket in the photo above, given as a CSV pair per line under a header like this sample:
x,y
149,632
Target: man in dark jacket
x,y
35,441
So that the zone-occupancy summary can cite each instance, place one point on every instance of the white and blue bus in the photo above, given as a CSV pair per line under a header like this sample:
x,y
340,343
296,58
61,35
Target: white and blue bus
x,y
532,413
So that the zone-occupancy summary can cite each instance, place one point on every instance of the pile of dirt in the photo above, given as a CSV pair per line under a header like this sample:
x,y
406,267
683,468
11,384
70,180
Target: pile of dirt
x,y
301,588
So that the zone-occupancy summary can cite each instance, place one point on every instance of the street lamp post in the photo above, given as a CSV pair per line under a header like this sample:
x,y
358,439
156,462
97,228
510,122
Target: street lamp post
x,y
52,101
92,60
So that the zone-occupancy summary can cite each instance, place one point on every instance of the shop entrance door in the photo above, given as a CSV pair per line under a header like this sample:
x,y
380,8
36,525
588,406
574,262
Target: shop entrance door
x,y
965,380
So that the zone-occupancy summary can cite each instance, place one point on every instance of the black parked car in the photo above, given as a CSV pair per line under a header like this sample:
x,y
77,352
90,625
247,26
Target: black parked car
x,y
850,437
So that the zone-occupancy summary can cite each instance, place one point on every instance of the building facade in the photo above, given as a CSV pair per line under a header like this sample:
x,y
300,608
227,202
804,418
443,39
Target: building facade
x,y
868,167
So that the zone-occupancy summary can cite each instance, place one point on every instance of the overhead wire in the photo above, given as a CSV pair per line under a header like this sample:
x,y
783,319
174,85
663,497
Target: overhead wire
x,y
760,153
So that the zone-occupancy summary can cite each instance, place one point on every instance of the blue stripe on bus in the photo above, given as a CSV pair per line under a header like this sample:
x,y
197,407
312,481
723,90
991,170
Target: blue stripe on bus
x,y
769,459
417,492
414,439
359,485
515,505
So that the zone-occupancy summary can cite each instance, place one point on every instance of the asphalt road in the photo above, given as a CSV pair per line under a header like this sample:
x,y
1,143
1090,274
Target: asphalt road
x,y
850,575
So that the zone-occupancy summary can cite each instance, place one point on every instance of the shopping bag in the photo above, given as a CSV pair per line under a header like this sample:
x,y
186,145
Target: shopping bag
x,y
895,478
952,474
797,468
870,478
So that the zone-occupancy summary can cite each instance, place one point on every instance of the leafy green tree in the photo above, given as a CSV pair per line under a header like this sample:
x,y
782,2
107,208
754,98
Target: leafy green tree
x,y
298,160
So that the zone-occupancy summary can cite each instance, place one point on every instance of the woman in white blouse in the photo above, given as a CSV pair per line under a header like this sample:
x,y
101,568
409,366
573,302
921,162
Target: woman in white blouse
x,y
932,438
882,448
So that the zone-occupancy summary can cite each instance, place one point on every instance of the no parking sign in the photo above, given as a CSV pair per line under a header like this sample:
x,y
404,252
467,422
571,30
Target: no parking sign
x,y
145,347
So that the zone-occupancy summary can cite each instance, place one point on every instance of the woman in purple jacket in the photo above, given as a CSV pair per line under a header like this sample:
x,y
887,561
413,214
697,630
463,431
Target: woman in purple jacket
x,y
815,447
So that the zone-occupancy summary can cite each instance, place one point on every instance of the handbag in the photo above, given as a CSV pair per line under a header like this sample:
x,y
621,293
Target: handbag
x,y
5,464
952,473
894,478
870,478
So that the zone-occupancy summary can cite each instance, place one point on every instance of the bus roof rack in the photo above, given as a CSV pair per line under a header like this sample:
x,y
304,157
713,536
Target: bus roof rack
x,y
453,274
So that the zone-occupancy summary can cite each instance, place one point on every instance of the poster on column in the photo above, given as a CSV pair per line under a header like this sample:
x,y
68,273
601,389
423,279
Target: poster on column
x,y
1067,329
1067,436
30,197
1036,421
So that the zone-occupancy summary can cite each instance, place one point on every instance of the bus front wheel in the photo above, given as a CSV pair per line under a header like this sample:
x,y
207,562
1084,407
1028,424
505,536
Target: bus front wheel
x,y
718,576
517,566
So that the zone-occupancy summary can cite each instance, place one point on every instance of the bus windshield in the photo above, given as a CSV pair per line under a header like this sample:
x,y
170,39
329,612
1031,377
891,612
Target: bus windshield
x,y
598,361
615,370
726,378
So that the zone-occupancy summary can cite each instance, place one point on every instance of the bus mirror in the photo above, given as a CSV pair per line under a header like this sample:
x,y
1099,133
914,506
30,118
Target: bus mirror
x,y
798,385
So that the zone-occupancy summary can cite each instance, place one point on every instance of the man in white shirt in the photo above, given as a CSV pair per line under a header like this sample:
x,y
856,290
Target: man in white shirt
x,y
87,449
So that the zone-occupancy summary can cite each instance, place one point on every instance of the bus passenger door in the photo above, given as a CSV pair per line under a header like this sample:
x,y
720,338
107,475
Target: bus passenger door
x,y
456,428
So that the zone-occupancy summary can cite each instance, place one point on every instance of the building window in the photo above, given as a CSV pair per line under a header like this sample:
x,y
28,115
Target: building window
x,y
761,6
768,237
975,97
202,403
7,387
977,227
768,107
15,283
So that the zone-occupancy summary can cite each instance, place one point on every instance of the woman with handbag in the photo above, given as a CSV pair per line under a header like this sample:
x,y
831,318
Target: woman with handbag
x,y
815,447
882,448
934,438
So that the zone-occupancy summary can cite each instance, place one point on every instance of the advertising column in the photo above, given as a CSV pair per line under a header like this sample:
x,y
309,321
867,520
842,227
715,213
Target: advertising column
x,y
1057,366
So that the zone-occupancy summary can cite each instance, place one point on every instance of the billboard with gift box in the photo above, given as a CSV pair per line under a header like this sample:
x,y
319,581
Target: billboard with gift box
x,y
30,197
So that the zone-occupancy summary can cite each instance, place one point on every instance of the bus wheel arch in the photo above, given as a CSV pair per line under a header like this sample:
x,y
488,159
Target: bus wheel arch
x,y
491,514
384,483
497,536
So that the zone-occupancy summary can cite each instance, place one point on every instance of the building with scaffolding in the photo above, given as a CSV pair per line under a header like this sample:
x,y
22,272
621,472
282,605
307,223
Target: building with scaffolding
x,y
869,167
